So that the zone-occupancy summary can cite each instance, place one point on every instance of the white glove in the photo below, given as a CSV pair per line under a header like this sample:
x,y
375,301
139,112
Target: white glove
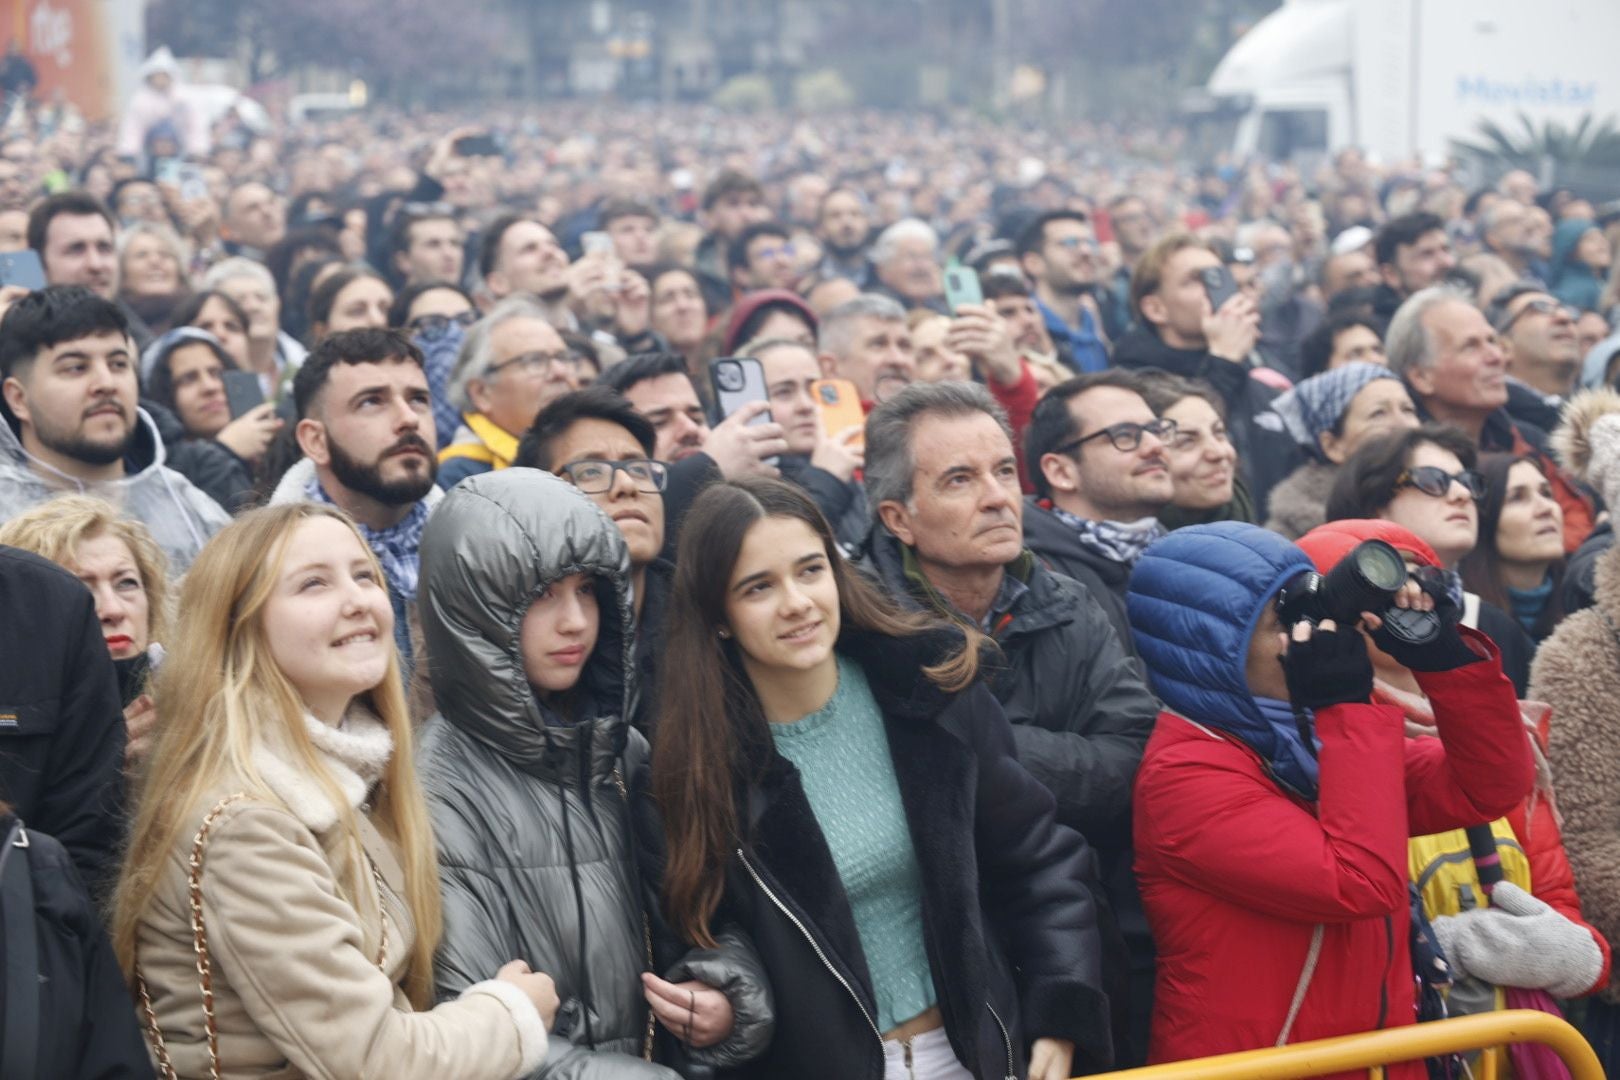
x,y
1521,942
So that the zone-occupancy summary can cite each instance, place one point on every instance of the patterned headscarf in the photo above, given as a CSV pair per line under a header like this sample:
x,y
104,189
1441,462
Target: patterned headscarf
x,y
1318,403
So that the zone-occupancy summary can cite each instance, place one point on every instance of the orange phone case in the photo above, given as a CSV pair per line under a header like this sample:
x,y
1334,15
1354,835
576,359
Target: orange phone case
x,y
840,405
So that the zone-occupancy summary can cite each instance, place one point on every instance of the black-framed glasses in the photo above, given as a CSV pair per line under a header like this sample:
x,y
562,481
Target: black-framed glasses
x,y
594,477
1125,436
1434,481
434,327
532,364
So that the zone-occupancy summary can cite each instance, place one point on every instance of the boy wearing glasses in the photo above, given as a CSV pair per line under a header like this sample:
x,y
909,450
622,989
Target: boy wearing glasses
x,y
598,442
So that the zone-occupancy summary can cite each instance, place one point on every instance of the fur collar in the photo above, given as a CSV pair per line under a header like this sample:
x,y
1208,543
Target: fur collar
x,y
354,756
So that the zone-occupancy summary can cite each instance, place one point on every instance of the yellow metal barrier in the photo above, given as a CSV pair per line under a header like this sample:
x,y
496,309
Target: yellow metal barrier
x,y
1373,1049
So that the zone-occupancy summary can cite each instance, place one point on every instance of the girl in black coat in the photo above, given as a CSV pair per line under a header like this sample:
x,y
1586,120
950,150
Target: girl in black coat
x,y
918,908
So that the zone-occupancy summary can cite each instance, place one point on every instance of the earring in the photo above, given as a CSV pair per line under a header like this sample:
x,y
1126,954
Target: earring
x,y
724,633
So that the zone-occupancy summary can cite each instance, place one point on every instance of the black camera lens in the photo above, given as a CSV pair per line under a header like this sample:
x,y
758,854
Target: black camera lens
x,y
1379,565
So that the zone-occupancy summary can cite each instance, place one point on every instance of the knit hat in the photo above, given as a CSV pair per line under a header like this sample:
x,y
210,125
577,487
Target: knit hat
x,y
1587,442
757,303
1318,403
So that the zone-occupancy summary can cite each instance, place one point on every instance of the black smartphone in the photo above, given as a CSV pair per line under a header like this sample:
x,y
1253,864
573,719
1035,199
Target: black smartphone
x,y
22,268
242,392
1220,285
477,146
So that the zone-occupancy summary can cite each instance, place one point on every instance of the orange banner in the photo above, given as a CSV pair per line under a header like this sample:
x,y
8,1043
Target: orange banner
x,y
82,49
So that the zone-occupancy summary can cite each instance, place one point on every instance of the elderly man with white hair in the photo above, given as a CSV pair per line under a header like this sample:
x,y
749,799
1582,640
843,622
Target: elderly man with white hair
x,y
905,259
272,352
513,364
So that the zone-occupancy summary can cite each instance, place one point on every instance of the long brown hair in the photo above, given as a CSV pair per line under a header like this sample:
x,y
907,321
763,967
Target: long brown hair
x,y
1481,568
713,737
223,694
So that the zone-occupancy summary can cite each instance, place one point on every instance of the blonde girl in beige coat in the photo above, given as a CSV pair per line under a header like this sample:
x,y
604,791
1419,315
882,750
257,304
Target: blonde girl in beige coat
x,y
284,759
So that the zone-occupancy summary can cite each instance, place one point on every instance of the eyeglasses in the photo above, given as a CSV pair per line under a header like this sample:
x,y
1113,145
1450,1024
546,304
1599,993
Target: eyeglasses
x,y
1126,436
594,477
1076,243
1539,307
774,251
1434,481
533,364
435,327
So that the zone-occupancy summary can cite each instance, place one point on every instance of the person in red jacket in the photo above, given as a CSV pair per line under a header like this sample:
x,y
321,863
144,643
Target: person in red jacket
x,y
1274,802
1539,942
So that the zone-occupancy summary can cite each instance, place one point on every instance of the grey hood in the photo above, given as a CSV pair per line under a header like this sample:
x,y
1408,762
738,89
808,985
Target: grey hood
x,y
493,544
180,517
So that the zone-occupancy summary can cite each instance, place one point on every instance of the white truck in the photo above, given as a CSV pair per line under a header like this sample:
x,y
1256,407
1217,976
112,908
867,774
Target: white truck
x,y
1402,78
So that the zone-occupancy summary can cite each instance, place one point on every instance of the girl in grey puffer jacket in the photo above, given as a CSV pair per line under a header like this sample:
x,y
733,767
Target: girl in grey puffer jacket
x,y
526,611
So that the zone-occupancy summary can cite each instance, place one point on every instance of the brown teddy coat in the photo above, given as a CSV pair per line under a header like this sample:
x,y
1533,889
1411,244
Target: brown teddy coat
x,y
1577,671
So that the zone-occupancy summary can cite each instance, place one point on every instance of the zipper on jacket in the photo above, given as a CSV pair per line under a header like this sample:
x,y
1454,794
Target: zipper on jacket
x,y
1006,1041
822,956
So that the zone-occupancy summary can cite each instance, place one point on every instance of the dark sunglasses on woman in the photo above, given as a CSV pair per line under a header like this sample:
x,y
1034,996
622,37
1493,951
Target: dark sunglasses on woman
x,y
1435,481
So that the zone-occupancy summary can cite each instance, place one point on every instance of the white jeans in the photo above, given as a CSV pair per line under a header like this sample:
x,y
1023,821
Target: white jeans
x,y
931,1059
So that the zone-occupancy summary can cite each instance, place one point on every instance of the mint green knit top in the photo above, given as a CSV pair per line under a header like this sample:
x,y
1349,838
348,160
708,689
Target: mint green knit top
x,y
842,754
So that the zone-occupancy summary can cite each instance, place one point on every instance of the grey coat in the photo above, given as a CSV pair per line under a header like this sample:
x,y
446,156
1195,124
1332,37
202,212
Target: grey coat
x,y
529,809
180,516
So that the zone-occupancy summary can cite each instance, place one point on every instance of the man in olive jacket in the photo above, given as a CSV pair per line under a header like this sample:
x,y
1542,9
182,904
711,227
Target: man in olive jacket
x,y
942,478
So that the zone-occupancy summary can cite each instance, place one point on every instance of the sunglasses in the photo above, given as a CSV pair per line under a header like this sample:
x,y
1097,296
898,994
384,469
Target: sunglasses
x,y
1126,436
1434,481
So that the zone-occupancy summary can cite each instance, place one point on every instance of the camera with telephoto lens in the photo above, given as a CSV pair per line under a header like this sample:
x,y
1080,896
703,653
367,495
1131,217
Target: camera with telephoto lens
x,y
1365,580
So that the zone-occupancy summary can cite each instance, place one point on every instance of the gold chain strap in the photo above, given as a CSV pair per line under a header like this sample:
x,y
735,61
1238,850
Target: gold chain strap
x,y
199,941
646,934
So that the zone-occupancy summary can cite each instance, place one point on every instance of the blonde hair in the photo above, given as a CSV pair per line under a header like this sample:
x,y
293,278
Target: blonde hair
x,y
222,696
54,530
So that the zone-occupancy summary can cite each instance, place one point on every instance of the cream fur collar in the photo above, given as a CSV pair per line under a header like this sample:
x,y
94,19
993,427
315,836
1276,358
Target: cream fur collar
x,y
354,755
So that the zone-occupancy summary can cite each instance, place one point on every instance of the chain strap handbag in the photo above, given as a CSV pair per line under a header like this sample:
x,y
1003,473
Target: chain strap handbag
x,y
205,968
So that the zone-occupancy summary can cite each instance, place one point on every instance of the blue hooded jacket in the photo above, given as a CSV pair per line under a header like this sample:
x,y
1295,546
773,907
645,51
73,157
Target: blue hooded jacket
x,y
1195,599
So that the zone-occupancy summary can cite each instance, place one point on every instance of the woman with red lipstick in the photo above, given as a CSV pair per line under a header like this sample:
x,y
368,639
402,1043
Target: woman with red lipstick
x,y
126,572
1519,562
834,778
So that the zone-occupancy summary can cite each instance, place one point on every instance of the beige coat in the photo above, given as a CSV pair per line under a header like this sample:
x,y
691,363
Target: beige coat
x,y
1577,672
297,989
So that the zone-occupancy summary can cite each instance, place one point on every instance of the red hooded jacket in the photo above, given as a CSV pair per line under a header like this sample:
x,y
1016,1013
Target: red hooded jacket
x,y
1236,874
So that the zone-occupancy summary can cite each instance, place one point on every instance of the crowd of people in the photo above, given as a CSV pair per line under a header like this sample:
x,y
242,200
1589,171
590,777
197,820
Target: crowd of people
x,y
1200,638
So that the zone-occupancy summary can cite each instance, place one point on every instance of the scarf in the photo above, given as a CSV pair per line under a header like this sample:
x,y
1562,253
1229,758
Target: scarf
x,y
397,547
1240,508
1317,404
1116,541
1528,604
1280,743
